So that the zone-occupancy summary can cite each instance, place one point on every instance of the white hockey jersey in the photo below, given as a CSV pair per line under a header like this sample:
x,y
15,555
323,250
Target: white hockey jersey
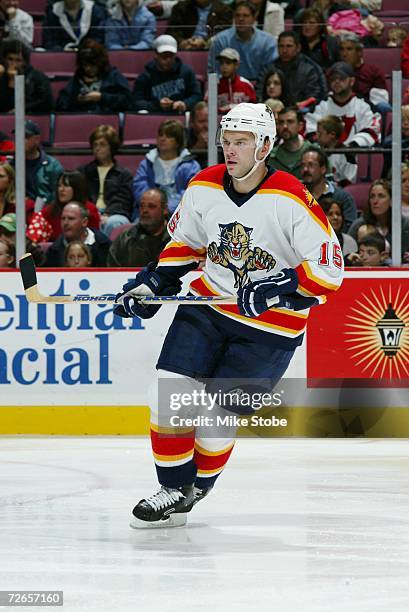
x,y
244,237
362,125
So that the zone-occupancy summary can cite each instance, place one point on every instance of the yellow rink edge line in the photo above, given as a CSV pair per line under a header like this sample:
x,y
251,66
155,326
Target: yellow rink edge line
x,y
134,420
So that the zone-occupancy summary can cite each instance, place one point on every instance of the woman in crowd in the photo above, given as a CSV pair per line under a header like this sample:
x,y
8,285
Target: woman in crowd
x,y
77,255
8,193
7,254
71,187
273,87
334,212
109,185
405,189
378,213
315,41
169,166
96,87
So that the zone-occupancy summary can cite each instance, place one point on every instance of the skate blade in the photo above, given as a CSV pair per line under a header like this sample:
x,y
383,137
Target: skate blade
x,y
174,520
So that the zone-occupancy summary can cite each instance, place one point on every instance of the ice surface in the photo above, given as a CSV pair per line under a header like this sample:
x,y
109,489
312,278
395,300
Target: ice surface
x,y
293,525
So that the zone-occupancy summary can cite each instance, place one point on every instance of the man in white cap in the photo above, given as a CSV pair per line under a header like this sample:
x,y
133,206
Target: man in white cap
x,y
232,88
166,85
260,236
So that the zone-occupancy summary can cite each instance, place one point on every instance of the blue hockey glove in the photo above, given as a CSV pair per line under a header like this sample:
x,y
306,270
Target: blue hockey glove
x,y
258,296
146,282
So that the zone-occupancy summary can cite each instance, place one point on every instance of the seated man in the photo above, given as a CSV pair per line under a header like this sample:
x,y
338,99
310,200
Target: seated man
x,y
132,26
42,170
74,226
68,22
17,24
166,85
370,82
288,154
198,132
256,48
304,80
362,127
15,60
193,21
313,174
143,242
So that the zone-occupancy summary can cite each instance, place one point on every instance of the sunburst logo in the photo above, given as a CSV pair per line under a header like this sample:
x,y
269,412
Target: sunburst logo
x,y
378,333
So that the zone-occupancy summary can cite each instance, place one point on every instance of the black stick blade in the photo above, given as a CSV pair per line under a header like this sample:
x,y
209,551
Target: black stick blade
x,y
28,271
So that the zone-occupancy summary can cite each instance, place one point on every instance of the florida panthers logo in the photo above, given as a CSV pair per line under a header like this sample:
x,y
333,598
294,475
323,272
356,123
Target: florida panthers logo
x,y
234,253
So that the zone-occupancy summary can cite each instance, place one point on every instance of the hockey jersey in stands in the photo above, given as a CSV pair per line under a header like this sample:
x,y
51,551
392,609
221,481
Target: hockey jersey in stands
x,y
361,124
245,237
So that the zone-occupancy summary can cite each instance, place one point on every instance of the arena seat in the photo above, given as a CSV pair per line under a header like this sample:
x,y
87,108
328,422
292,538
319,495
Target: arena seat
x,y
36,8
72,162
128,62
38,34
388,58
43,121
359,192
401,11
73,129
369,166
141,129
56,86
54,63
197,60
129,161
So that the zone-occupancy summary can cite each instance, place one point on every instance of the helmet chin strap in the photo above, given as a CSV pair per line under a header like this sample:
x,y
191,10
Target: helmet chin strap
x,y
257,162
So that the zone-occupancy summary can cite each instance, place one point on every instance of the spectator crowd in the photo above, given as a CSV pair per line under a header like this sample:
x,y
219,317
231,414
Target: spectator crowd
x,y
306,60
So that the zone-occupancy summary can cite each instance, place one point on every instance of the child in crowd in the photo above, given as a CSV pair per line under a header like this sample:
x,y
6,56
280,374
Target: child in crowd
x,y
344,166
396,36
232,89
77,255
371,252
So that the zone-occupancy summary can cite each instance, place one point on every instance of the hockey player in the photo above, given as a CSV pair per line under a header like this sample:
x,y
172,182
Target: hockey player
x,y
260,234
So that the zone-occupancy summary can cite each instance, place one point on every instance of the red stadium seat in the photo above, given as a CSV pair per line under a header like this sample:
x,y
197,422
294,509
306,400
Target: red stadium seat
x,y
141,129
73,130
129,161
359,192
388,58
369,166
72,162
56,86
129,62
43,121
54,63
197,60
38,34
36,8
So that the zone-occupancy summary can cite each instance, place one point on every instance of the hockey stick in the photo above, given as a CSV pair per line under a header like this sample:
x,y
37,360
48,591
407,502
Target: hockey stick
x,y
29,278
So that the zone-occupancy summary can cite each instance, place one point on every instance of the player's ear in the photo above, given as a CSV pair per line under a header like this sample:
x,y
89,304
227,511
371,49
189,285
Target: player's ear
x,y
266,145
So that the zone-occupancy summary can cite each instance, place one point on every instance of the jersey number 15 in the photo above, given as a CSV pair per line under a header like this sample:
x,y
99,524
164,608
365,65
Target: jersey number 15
x,y
325,255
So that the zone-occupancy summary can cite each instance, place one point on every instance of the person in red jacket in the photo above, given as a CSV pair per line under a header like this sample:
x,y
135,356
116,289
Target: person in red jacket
x,y
405,58
71,187
232,89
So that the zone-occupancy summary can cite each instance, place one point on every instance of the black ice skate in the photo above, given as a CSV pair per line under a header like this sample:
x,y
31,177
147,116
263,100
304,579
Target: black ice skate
x,y
199,494
166,508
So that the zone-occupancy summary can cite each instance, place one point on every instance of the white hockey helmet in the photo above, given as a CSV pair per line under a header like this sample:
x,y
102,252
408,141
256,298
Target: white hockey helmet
x,y
255,118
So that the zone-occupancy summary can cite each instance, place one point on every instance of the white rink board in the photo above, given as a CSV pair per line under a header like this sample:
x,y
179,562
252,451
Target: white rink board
x,y
50,352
